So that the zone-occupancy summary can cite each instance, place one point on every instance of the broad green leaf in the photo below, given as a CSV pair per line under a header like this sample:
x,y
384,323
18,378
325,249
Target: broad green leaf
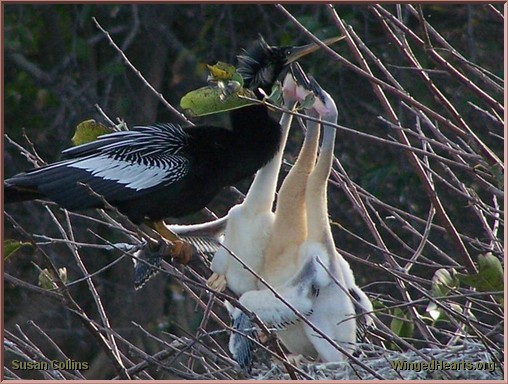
x,y
88,131
12,246
401,323
434,311
442,283
438,313
46,280
489,277
209,100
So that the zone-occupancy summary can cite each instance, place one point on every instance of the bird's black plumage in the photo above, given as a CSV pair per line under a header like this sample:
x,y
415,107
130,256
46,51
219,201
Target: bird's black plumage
x,y
164,170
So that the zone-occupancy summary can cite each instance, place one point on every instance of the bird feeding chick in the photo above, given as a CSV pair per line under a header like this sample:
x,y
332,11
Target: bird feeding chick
x,y
165,170
309,297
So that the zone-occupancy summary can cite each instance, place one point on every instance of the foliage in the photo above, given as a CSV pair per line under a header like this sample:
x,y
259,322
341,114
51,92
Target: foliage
x,y
225,93
87,131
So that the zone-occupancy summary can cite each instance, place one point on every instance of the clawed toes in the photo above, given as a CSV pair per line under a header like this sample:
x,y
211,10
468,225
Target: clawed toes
x,y
217,282
181,252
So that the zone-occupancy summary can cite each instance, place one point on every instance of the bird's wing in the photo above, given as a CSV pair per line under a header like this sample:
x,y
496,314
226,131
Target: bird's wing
x,y
119,166
275,312
299,292
205,237
214,228
241,347
141,140
139,160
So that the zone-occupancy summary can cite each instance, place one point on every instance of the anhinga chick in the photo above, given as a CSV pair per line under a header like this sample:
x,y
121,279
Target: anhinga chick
x,y
320,284
249,223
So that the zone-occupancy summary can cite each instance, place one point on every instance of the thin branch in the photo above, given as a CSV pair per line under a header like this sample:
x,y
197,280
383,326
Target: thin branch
x,y
159,95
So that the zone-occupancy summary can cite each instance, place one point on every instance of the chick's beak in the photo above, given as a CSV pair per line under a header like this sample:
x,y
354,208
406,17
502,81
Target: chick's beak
x,y
303,50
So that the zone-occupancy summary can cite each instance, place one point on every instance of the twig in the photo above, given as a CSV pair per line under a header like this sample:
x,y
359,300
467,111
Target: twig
x,y
159,95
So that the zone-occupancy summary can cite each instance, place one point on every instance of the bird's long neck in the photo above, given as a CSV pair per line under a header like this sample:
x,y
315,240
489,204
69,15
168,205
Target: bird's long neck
x,y
256,139
262,190
319,229
291,213
249,120
290,227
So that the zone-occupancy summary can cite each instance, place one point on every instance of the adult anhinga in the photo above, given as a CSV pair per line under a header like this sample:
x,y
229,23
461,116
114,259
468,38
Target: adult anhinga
x,y
165,170
306,286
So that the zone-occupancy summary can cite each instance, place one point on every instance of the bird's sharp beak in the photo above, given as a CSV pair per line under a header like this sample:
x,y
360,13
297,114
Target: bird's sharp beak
x,y
303,50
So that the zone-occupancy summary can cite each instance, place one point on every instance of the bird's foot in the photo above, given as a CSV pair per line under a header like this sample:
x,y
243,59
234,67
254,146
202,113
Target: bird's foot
x,y
181,251
217,282
165,232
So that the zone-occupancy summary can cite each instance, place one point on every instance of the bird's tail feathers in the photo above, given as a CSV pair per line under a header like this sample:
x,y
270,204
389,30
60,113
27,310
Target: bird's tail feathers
x,y
146,266
240,346
15,194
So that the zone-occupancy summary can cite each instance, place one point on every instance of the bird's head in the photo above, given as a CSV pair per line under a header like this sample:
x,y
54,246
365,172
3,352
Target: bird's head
x,y
262,64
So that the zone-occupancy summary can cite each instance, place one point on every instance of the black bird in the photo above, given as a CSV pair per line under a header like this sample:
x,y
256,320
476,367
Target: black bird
x,y
165,170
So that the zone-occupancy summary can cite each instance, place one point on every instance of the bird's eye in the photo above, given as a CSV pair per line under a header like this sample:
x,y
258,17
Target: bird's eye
x,y
288,52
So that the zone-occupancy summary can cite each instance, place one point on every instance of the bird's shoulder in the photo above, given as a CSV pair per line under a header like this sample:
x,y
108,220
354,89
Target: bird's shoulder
x,y
208,131
210,139
149,140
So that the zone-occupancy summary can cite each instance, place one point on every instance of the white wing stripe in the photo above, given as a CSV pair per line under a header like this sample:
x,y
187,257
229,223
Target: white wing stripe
x,y
133,175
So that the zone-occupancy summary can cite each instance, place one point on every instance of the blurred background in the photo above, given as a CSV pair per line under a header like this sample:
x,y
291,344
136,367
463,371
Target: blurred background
x,y
58,67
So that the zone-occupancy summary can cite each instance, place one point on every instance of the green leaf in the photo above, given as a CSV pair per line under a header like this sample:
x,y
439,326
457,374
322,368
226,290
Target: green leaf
x,y
401,323
48,281
224,93
275,96
309,101
489,277
209,100
88,131
12,246
434,311
443,282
